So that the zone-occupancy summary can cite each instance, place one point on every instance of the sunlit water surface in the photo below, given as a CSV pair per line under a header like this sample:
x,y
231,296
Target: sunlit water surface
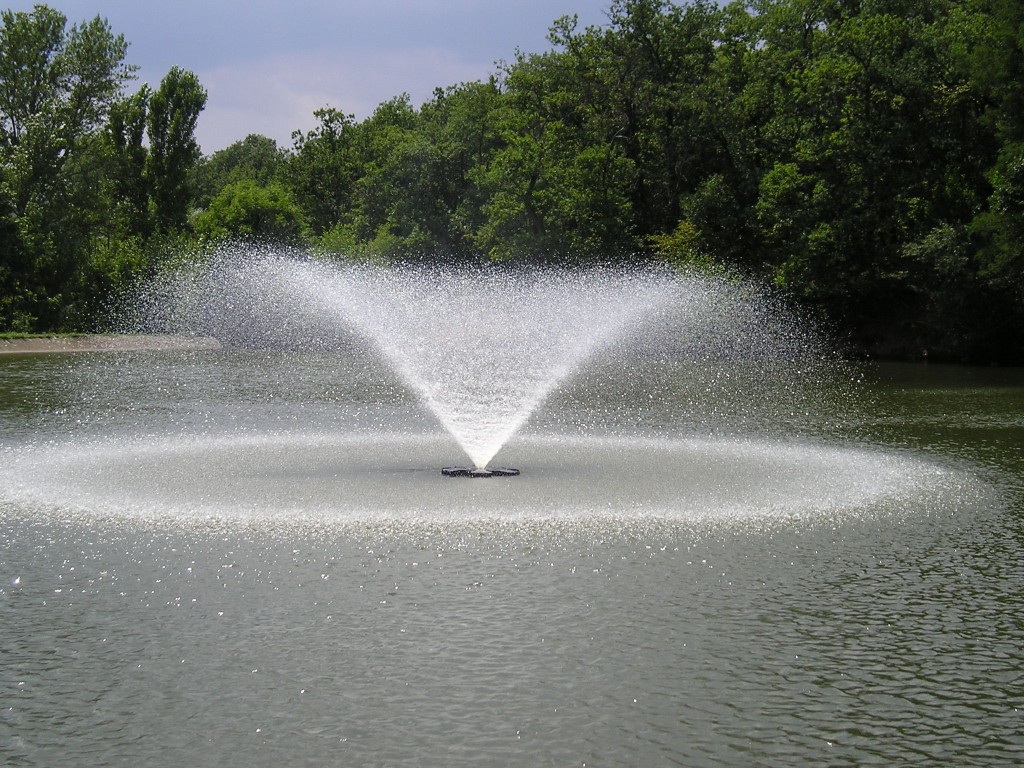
x,y
250,558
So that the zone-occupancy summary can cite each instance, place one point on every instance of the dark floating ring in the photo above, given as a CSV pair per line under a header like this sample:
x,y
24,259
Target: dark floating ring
x,y
475,472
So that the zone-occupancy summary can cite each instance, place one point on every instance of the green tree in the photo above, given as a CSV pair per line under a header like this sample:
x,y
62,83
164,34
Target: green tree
x,y
634,149
556,186
13,266
174,110
56,85
126,179
416,196
255,158
246,210
460,126
388,199
323,169
996,63
871,150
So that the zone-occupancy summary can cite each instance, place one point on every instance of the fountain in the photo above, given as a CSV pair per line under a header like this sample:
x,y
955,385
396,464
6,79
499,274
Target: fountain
x,y
626,392
482,348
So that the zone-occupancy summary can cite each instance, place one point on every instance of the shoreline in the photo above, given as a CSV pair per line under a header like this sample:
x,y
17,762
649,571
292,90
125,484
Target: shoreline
x,y
105,343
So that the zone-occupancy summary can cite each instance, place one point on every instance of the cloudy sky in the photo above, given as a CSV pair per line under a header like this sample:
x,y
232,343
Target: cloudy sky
x,y
267,65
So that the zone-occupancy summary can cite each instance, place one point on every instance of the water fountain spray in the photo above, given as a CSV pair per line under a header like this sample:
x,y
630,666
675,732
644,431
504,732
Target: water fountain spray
x,y
483,348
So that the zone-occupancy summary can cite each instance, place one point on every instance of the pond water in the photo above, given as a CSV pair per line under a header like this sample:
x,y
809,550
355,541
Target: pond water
x,y
250,558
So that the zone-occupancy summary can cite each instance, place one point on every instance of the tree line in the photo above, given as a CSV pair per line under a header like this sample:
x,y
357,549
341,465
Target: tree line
x,y
865,157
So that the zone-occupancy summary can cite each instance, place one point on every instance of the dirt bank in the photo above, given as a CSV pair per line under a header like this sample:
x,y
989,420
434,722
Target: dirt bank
x,y
104,343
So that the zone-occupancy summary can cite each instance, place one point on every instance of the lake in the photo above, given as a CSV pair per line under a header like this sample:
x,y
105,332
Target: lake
x,y
222,558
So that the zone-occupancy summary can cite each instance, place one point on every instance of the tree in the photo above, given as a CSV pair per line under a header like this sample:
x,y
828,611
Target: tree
x,y
66,78
556,186
129,187
392,159
174,110
255,158
461,133
996,63
246,210
13,267
323,169
56,86
872,157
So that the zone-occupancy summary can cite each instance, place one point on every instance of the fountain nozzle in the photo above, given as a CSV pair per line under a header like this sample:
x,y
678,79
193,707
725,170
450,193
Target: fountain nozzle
x,y
479,472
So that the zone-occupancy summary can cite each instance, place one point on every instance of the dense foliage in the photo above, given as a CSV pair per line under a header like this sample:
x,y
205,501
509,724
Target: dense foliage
x,y
865,157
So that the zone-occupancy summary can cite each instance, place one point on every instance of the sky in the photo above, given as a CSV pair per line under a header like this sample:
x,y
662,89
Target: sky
x,y
268,65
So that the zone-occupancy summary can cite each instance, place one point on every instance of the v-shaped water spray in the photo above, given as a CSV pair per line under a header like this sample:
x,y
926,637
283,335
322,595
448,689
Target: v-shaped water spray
x,y
481,347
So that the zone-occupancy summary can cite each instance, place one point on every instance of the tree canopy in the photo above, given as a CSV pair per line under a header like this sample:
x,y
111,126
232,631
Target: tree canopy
x,y
866,158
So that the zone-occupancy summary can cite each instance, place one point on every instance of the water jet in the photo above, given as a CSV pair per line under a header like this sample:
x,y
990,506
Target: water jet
x,y
532,329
